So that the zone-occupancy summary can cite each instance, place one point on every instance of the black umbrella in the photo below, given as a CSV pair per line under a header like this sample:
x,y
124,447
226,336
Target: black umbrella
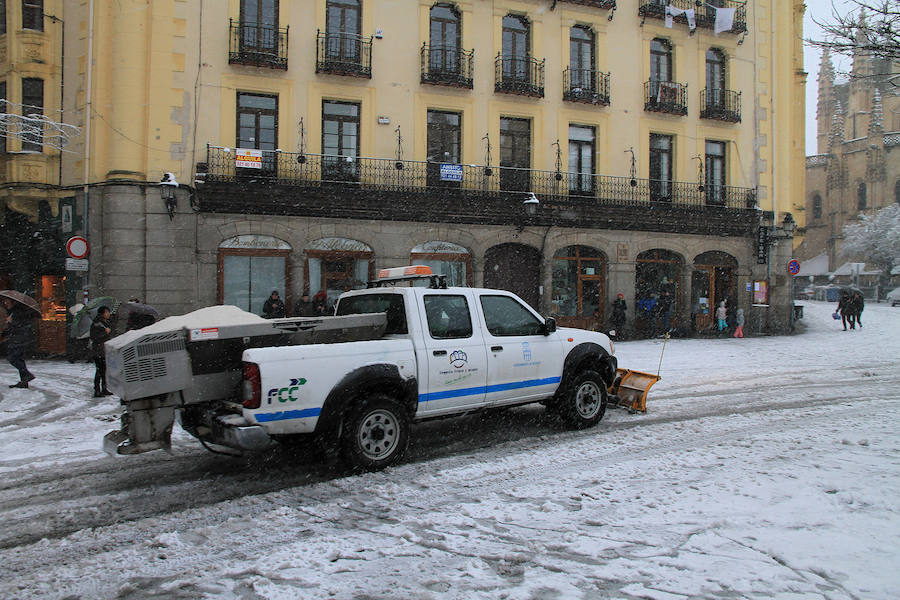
x,y
135,315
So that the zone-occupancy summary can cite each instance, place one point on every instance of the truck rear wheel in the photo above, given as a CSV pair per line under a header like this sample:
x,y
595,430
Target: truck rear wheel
x,y
375,433
584,402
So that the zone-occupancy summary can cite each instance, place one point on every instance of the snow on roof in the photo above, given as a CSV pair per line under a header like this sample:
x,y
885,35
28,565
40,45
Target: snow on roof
x,y
817,265
211,316
854,268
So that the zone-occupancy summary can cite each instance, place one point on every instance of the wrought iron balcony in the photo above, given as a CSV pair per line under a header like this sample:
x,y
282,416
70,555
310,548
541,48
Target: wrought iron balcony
x,y
665,96
705,12
586,85
447,65
410,177
719,104
257,45
523,75
343,54
593,3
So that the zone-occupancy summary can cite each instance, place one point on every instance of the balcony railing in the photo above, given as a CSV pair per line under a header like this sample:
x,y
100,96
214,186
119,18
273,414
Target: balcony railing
x,y
593,3
257,45
586,85
447,65
343,54
523,75
665,96
409,176
705,14
723,105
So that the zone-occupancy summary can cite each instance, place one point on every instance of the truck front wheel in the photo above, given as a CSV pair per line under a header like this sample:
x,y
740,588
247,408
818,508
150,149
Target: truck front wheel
x,y
584,402
375,433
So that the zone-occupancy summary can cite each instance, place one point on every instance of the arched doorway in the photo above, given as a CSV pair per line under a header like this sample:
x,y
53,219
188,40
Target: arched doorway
x,y
579,287
712,281
515,268
656,276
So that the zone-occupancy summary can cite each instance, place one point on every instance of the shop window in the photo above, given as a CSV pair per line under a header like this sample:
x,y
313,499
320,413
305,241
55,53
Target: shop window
x,y
656,272
251,267
445,258
579,286
336,265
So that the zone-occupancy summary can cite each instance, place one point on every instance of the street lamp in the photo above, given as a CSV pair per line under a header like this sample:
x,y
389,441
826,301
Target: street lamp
x,y
530,204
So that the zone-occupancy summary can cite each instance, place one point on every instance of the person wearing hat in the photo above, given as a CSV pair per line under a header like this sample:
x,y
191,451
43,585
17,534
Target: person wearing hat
x,y
101,331
19,335
273,308
618,315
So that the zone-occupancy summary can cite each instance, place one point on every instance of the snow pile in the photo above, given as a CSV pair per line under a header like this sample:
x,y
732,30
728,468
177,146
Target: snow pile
x,y
211,316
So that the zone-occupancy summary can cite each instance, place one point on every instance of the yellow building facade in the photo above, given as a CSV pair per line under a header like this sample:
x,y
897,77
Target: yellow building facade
x,y
323,138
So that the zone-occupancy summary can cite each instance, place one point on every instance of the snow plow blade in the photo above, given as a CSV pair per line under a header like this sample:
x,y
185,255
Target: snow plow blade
x,y
630,388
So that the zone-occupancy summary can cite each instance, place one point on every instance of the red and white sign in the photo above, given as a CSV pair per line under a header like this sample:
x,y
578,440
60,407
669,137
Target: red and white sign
x,y
207,333
247,158
77,247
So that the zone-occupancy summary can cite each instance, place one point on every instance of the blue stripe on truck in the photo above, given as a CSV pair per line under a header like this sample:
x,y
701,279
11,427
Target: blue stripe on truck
x,y
499,387
288,414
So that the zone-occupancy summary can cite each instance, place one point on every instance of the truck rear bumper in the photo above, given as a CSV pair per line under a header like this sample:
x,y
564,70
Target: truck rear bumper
x,y
251,438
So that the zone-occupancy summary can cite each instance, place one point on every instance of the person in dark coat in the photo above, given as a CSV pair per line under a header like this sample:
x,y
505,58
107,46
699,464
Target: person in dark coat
x,y
19,336
664,306
856,307
273,307
845,309
320,303
304,308
101,330
617,319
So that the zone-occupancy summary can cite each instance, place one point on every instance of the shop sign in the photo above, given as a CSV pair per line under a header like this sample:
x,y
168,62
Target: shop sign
x,y
762,246
76,264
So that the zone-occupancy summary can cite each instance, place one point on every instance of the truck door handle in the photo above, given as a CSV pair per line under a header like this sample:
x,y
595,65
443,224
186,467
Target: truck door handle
x,y
496,348
440,353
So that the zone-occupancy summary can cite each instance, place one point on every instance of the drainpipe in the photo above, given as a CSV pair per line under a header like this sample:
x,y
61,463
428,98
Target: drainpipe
x,y
87,131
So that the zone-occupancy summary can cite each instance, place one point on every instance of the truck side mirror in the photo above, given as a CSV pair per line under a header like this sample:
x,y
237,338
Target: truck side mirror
x,y
549,325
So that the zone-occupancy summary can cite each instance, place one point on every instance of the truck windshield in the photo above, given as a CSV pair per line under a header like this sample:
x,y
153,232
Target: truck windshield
x,y
364,304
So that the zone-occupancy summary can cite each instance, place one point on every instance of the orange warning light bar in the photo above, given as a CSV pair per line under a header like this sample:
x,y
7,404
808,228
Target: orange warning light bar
x,y
408,271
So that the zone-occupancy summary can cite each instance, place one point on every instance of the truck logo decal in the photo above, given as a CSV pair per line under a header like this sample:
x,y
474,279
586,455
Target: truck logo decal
x,y
285,394
458,359
526,351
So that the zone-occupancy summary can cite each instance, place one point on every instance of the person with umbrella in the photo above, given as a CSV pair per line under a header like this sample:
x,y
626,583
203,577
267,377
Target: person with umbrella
x,y
101,331
18,333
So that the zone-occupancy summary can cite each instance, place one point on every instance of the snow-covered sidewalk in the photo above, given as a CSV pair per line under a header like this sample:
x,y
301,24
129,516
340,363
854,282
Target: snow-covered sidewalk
x,y
765,468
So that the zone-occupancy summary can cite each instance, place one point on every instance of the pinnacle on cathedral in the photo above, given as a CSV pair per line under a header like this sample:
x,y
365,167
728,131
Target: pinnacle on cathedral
x,y
836,138
876,120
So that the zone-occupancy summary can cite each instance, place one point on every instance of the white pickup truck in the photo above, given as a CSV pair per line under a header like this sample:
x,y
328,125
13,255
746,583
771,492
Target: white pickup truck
x,y
443,351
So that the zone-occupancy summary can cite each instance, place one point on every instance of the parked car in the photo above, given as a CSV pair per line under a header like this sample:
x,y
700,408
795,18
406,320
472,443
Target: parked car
x,y
893,297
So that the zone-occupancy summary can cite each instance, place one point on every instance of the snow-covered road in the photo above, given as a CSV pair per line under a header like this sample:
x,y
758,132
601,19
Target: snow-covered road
x,y
765,468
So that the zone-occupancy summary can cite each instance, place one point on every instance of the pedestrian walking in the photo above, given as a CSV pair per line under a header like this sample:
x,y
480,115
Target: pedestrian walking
x,y
618,318
856,306
739,323
19,336
845,309
664,306
101,331
273,308
722,316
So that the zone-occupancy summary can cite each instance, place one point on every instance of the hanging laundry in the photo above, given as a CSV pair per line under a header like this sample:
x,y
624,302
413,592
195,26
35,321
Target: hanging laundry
x,y
724,19
672,12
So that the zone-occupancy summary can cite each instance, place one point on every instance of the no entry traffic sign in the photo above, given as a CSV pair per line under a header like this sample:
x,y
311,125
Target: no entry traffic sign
x,y
77,247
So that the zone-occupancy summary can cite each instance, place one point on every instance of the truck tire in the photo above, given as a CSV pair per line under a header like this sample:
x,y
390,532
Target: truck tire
x,y
584,401
375,433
